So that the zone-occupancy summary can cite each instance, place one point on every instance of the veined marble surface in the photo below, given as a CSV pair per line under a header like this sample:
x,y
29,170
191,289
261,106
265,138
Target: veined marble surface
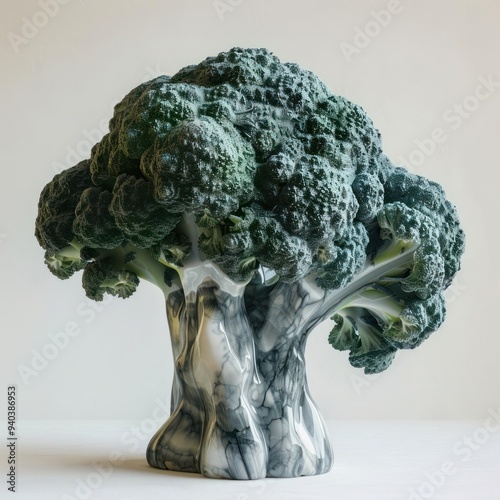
x,y
241,408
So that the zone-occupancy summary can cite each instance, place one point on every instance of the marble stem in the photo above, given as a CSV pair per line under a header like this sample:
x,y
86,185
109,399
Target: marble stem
x,y
241,408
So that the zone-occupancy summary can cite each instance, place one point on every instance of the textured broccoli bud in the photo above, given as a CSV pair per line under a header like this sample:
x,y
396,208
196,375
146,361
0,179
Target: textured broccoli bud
x,y
143,220
369,193
201,166
288,256
56,208
317,203
173,249
231,252
65,262
108,161
101,277
94,225
409,232
417,320
429,198
339,261
375,361
151,111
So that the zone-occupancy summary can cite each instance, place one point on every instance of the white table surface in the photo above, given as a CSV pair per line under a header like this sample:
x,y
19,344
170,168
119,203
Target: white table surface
x,y
379,460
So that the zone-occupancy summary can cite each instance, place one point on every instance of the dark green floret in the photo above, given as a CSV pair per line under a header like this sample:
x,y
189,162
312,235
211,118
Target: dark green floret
x,y
101,277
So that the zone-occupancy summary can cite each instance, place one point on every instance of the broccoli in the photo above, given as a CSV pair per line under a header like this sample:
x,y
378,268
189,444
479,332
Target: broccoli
x,y
261,205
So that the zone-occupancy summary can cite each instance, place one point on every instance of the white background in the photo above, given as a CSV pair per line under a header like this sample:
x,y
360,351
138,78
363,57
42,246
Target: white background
x,y
58,87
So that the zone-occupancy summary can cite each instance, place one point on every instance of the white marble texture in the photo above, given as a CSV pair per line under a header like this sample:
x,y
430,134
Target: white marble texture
x,y
241,408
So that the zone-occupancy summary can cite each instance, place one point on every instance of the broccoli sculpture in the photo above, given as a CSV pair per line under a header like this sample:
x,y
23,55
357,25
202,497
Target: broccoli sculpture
x,y
261,205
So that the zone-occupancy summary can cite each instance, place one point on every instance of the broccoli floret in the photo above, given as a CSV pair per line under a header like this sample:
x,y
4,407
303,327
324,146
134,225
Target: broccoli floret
x,y
343,336
65,262
173,249
256,238
108,161
396,299
375,361
339,261
369,193
409,232
429,198
56,208
201,167
151,111
142,219
101,277
374,319
316,203
94,225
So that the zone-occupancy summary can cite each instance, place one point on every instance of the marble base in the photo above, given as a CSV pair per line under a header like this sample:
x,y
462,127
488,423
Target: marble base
x,y
241,408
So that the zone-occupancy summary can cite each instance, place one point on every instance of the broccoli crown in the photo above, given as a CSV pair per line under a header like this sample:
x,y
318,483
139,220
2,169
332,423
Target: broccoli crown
x,y
274,172
238,133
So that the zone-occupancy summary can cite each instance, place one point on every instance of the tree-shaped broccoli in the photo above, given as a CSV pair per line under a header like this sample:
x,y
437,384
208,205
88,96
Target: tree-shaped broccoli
x,y
261,205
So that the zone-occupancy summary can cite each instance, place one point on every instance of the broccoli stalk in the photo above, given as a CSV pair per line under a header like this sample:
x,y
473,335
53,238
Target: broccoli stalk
x,y
261,205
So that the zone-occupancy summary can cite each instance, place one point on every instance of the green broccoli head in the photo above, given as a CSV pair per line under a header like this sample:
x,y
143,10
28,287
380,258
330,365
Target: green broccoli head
x,y
272,172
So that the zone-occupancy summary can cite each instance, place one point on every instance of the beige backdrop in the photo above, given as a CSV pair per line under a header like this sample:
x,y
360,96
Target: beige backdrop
x,y
426,72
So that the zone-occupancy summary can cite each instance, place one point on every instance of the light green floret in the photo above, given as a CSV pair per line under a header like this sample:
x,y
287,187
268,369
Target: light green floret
x,y
65,262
